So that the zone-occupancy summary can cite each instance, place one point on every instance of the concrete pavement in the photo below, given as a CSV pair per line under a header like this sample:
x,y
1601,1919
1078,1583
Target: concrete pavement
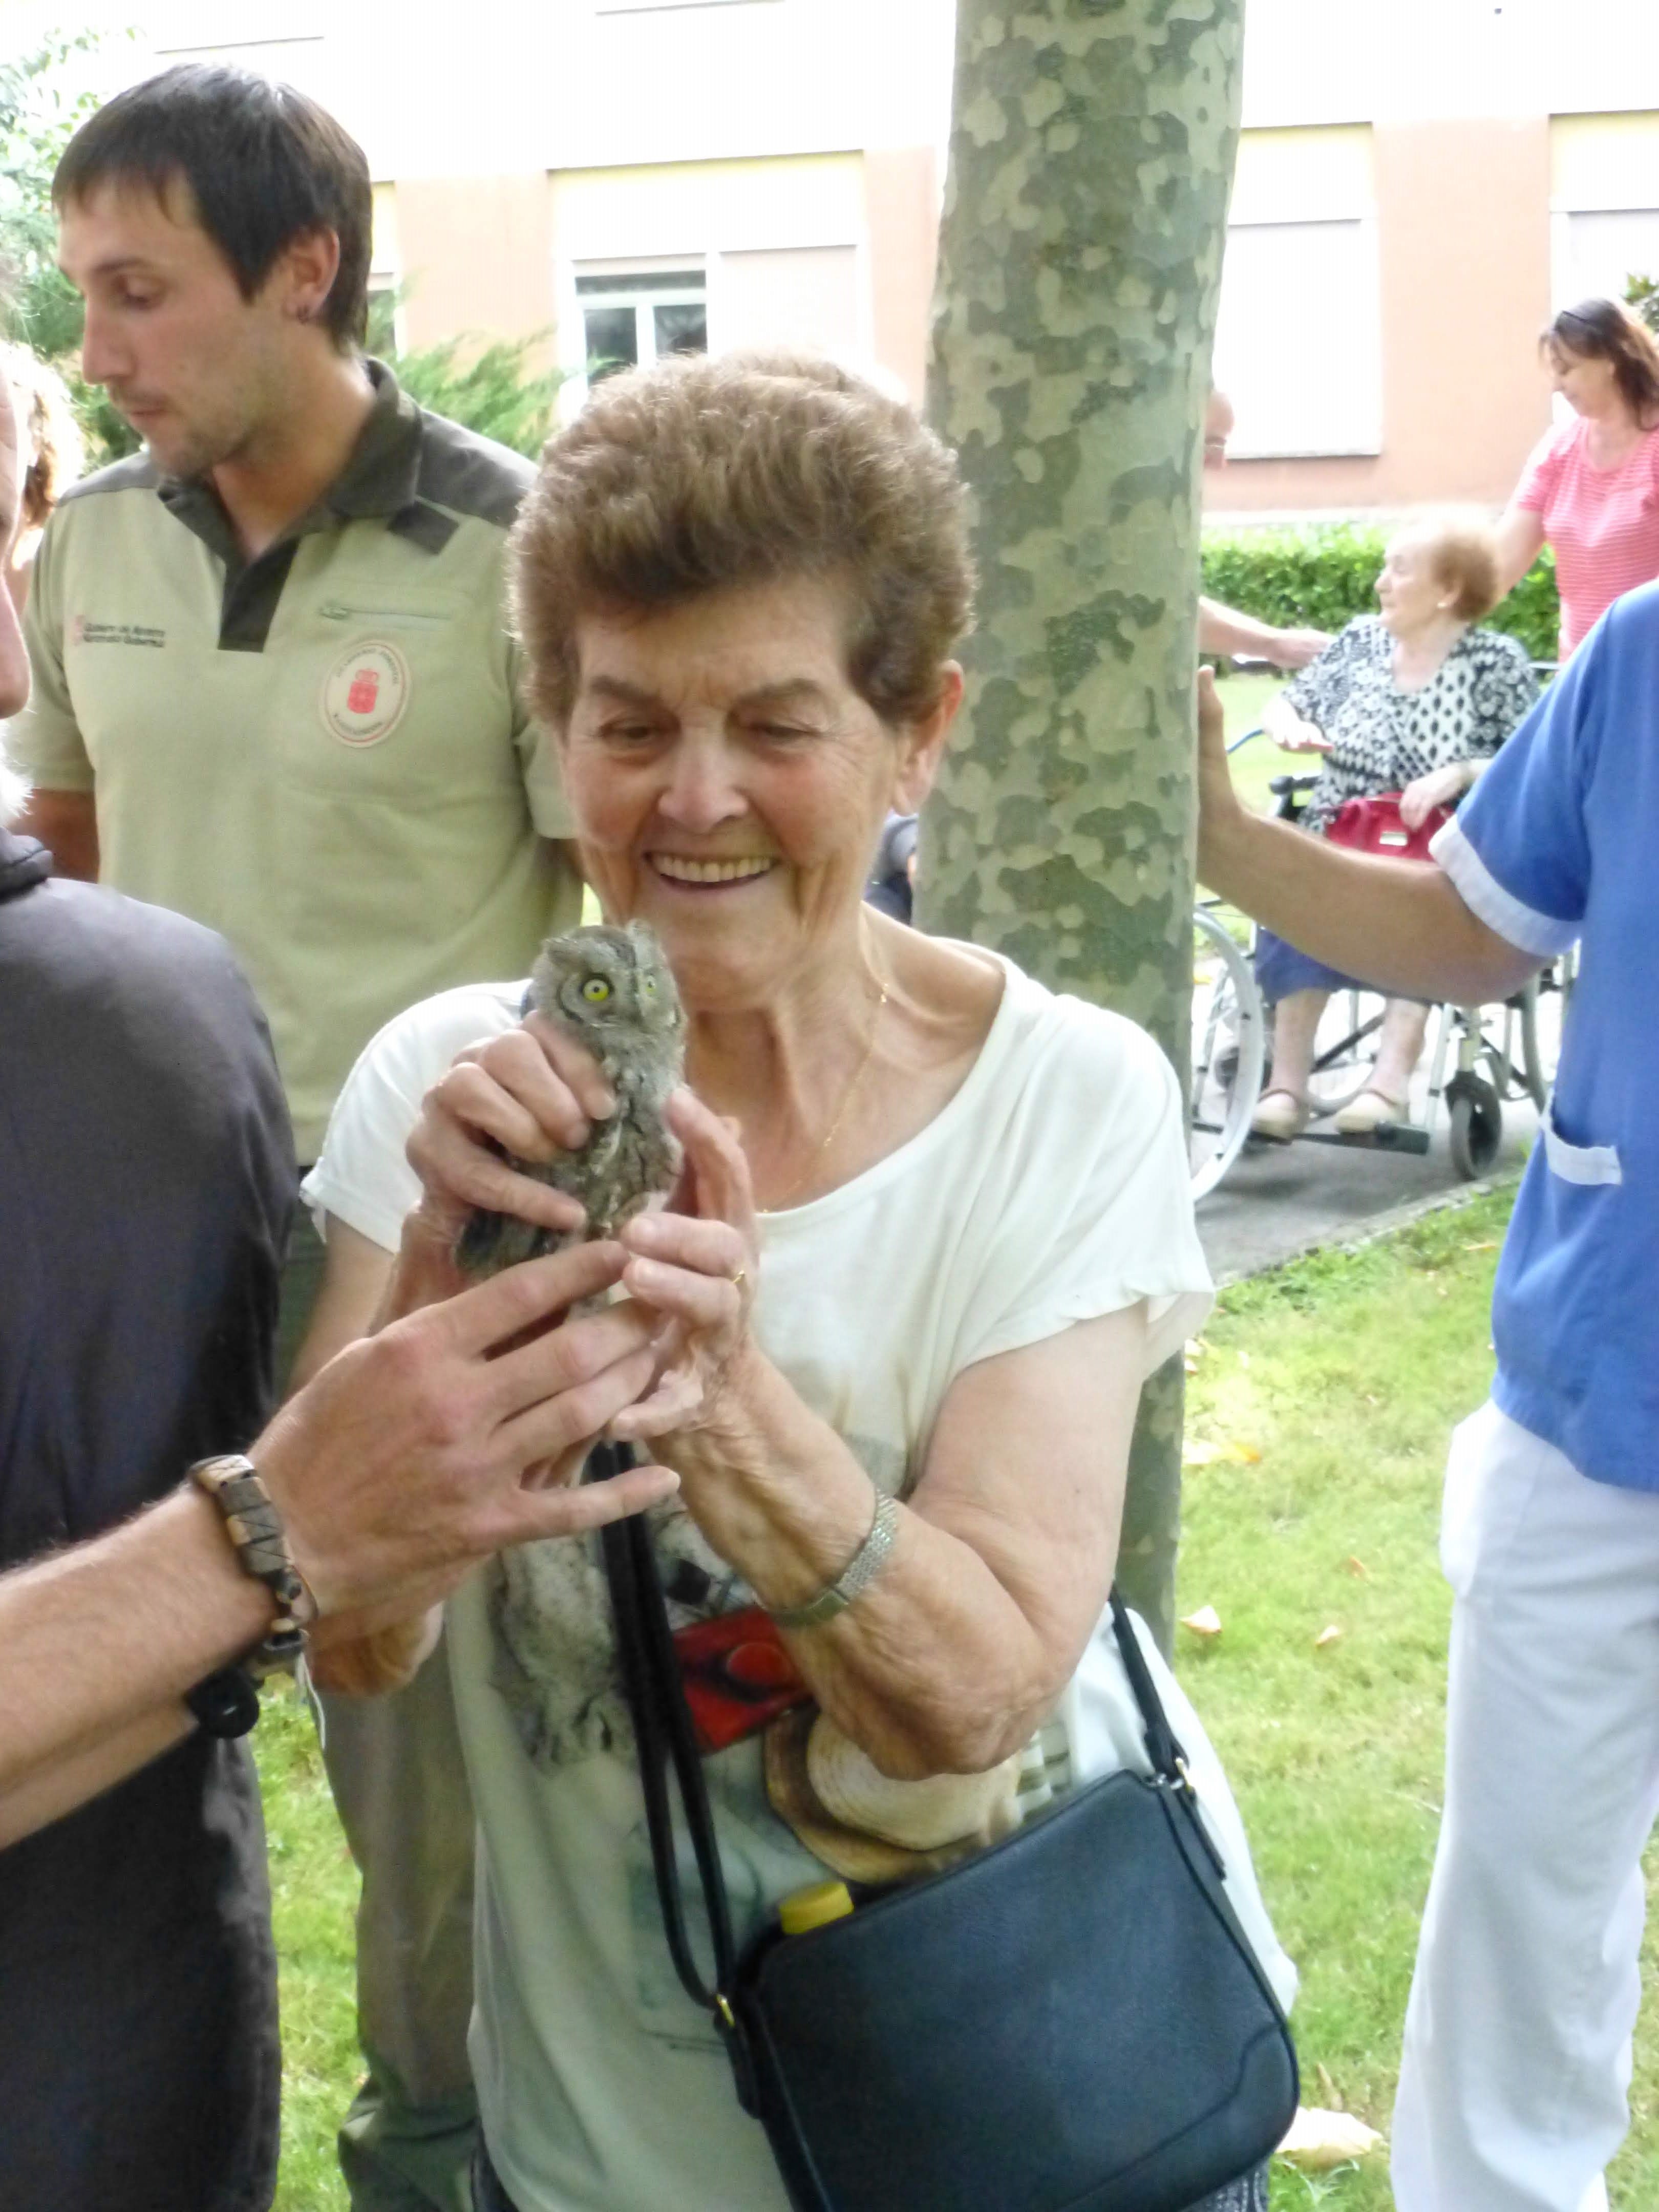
x,y
1277,1201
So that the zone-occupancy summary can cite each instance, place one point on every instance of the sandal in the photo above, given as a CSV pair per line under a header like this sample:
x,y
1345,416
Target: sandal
x,y
1372,1111
1280,1116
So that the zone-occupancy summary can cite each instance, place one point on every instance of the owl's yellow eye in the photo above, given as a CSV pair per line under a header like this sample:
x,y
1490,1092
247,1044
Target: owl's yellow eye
x,y
595,990
648,986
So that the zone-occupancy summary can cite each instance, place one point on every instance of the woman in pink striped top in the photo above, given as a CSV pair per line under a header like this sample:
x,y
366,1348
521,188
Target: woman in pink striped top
x,y
1591,490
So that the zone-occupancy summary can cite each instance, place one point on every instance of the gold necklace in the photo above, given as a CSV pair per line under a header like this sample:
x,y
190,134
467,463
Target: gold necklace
x,y
830,1134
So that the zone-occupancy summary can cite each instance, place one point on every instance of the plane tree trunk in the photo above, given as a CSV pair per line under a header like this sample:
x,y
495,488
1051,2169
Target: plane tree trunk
x,y
1091,157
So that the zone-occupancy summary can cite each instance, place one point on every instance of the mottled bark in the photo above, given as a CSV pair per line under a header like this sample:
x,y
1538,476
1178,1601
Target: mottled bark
x,y
1091,160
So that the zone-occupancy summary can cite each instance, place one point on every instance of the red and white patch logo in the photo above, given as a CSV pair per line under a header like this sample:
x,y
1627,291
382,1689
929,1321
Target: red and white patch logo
x,y
365,694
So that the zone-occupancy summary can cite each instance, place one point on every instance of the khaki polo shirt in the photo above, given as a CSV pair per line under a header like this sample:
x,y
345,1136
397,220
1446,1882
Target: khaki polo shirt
x,y
321,753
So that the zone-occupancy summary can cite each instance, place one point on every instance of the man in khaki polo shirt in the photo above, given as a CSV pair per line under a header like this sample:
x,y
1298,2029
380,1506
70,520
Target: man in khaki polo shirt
x,y
273,690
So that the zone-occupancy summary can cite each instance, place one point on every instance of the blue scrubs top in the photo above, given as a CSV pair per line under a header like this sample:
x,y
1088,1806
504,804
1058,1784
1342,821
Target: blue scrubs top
x,y
1560,840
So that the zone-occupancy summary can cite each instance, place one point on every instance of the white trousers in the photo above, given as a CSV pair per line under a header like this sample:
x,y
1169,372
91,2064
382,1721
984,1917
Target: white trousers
x,y
1517,2046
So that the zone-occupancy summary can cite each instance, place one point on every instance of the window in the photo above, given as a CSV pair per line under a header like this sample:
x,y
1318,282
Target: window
x,y
1604,203
631,317
1298,346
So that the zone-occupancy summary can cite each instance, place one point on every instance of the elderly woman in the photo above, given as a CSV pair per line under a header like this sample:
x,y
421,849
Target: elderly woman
x,y
1416,700
934,1231
1591,487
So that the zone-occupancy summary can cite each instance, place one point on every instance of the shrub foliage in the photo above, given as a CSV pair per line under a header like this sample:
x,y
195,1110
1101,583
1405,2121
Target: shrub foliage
x,y
1320,575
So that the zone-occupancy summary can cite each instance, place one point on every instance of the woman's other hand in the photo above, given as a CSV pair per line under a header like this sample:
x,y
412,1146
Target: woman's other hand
x,y
1290,732
531,1094
1440,787
695,1266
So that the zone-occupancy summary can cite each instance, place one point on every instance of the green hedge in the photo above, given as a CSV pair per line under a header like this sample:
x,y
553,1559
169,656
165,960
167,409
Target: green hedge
x,y
1324,573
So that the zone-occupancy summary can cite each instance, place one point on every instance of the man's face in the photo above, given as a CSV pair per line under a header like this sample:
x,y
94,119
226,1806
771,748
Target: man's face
x,y
195,369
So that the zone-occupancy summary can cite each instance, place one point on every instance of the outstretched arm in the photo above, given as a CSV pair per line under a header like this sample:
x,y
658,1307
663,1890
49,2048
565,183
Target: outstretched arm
x,y
1225,629
404,1461
1399,924
1518,539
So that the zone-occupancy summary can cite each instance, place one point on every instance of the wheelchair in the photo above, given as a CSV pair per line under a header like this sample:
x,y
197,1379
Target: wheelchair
x,y
1479,1058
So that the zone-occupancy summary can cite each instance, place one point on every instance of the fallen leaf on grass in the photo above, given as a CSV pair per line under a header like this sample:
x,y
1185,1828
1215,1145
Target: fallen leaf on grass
x,y
1332,1634
1327,2088
1195,1452
1205,1622
1358,1567
1318,2139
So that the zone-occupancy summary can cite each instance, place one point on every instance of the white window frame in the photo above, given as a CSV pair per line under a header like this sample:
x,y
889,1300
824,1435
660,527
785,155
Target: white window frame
x,y
638,284
1364,442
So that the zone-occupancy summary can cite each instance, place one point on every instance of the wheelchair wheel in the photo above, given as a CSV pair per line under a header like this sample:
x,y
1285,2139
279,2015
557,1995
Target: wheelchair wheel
x,y
1229,1040
1543,1008
1476,1119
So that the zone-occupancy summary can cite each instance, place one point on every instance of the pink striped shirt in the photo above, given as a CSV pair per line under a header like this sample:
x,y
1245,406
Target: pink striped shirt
x,y
1602,523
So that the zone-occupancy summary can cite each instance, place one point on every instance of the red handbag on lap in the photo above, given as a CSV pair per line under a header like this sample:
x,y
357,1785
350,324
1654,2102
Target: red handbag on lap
x,y
1373,825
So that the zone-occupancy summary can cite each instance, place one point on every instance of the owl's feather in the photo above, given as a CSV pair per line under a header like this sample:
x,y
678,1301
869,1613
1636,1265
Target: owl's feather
x,y
612,990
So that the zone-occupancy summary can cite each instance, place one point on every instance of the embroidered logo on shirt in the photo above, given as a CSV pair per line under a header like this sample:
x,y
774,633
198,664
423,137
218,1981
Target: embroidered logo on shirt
x,y
364,693
83,631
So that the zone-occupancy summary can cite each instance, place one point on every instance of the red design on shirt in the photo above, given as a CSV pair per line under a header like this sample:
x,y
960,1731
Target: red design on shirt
x,y
365,689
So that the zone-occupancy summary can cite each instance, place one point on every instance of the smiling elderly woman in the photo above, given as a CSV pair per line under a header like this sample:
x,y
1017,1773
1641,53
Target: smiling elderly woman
x,y
934,1231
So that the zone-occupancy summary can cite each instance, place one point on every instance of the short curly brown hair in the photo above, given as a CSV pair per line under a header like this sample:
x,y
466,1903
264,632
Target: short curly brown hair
x,y
1462,551
700,475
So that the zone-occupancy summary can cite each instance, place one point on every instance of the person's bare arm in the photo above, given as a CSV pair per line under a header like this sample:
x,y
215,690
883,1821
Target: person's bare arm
x,y
1004,1554
1225,630
1518,538
1397,924
406,1460
66,823
355,1273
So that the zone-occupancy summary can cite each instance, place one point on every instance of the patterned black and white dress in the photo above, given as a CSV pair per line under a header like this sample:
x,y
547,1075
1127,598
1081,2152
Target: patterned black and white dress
x,y
1381,738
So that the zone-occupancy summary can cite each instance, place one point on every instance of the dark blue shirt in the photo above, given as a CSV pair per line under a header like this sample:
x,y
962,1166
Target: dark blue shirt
x,y
146,1174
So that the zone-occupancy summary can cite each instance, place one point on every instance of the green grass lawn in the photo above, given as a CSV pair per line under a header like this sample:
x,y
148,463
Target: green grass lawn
x,y
1327,1391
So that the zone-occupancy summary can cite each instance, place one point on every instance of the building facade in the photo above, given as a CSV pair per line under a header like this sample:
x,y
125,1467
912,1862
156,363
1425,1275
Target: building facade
x,y
619,178
1421,183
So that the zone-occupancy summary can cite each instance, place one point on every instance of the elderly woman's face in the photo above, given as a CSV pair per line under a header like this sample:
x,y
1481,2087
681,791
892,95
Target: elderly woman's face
x,y
1409,590
729,783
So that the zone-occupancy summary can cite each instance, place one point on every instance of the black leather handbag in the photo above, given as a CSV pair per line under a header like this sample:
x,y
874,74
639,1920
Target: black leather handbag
x,y
1071,2018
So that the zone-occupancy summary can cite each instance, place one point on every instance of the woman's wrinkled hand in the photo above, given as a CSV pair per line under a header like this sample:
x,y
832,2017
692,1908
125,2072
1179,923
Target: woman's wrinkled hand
x,y
531,1094
1439,787
694,1266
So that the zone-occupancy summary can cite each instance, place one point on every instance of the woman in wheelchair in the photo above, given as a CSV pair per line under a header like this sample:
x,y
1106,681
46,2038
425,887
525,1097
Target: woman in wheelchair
x,y
1415,701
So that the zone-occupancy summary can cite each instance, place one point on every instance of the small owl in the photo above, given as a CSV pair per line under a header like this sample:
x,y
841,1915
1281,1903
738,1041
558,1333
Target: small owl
x,y
614,992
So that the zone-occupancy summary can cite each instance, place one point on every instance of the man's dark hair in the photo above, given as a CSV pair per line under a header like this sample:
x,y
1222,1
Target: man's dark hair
x,y
264,166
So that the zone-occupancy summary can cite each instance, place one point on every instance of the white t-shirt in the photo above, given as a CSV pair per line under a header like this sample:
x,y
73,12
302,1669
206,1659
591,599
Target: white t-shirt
x,y
1052,1188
